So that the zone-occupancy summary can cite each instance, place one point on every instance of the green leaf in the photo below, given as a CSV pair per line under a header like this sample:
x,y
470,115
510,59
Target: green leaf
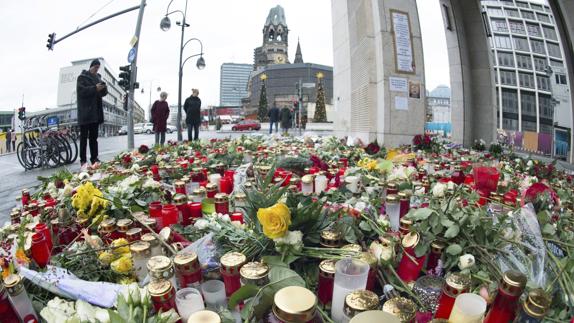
x,y
454,249
549,229
446,222
437,229
141,202
421,214
452,231
243,293
365,226
115,317
421,249
123,307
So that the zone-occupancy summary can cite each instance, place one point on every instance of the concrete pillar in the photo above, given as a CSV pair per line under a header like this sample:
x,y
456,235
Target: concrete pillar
x,y
365,57
473,102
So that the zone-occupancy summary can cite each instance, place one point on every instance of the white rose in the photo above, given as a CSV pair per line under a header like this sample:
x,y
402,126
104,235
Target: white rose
x,y
201,224
450,185
224,217
83,175
466,261
135,168
360,206
420,191
439,189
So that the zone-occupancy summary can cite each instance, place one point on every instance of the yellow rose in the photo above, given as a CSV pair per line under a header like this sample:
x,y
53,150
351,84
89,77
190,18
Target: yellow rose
x,y
106,257
123,265
275,220
120,246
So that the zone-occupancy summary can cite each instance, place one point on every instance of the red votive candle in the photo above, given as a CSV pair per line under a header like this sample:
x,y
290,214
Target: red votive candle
x,y
180,202
195,209
40,251
408,270
504,307
326,281
231,263
43,229
237,216
454,285
225,185
155,209
169,215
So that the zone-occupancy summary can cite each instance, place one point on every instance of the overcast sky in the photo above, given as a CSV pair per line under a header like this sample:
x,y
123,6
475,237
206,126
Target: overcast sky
x,y
229,30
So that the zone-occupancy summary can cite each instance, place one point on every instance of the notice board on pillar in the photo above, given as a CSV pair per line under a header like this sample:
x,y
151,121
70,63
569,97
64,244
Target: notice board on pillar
x,y
402,42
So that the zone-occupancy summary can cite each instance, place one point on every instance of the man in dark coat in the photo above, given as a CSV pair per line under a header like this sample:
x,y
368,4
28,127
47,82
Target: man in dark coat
x,y
192,109
159,115
285,119
90,90
274,119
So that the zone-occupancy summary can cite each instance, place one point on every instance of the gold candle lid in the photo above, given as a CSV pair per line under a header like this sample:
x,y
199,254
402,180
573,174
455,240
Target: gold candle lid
x,y
360,301
403,195
124,224
197,170
374,316
159,263
150,222
369,258
159,288
537,303
221,198
392,198
352,247
211,187
140,248
232,261
240,196
307,179
437,246
108,225
513,282
330,239
184,259
179,184
327,268
294,304
179,199
148,237
254,270
204,316
410,240
13,284
401,307
456,284
406,223
392,185
133,232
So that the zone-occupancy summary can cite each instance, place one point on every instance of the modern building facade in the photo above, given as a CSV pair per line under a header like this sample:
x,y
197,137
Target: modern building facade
x,y
529,69
233,83
6,118
113,104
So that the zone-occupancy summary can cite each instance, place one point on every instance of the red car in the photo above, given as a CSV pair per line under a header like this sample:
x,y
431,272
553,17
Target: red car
x,y
246,125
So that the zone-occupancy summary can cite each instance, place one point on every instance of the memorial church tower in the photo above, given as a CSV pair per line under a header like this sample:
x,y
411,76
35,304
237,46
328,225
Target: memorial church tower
x,y
275,40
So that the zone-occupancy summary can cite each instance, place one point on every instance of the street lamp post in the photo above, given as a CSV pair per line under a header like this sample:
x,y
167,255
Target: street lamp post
x,y
165,25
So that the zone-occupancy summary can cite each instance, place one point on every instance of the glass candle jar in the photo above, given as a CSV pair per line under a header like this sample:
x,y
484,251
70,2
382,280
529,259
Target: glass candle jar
x,y
350,275
534,307
141,253
180,202
401,307
231,264
392,188
504,307
468,308
197,175
410,267
375,316
20,300
307,184
123,226
237,216
33,209
154,243
254,273
107,230
320,183
458,175
40,250
294,304
370,259
434,255
405,226
239,200
188,301
133,234
7,312
211,190
392,208
155,209
326,282
162,295
404,203
330,239
187,270
169,216
204,316
359,301
43,229
179,187
195,210
222,203
226,185
454,285
161,268
151,223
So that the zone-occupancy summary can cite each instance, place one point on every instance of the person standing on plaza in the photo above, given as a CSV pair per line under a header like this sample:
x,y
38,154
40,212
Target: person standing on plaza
x,y
90,90
8,140
285,119
192,109
13,140
274,119
159,115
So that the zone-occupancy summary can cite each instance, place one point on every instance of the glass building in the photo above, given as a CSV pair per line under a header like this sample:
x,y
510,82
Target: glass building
x,y
531,79
233,83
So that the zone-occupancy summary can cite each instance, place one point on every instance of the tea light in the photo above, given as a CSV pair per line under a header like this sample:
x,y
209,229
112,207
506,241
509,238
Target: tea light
x,y
468,308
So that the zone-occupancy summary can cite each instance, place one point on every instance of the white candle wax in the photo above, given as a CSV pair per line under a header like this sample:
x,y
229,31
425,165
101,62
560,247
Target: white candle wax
x,y
188,301
320,183
468,308
350,275
215,179
393,212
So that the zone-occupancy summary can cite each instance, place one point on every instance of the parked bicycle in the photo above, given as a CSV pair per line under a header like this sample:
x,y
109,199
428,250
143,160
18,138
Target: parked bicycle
x,y
43,146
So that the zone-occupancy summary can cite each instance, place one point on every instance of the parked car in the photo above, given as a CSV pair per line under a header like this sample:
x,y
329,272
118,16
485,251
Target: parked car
x,y
123,131
246,125
170,128
138,128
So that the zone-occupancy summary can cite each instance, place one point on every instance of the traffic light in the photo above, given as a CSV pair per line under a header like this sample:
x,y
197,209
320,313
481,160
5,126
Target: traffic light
x,y
126,102
51,41
22,113
125,76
